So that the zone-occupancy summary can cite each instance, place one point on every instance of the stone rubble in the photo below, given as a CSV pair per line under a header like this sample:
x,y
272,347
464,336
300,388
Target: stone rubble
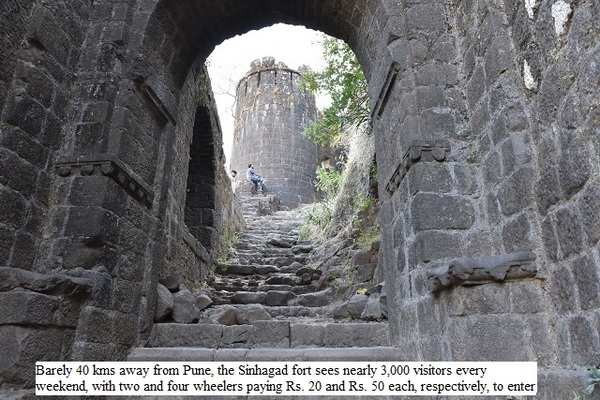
x,y
270,294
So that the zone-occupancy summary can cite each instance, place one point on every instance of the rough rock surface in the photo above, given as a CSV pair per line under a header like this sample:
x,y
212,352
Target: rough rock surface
x,y
485,119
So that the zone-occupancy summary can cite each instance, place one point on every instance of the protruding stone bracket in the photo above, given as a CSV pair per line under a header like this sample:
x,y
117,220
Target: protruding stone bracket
x,y
162,101
386,90
111,167
418,151
51,284
469,271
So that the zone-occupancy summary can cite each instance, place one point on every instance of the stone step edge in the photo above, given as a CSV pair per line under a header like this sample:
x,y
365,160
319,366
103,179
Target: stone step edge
x,y
380,353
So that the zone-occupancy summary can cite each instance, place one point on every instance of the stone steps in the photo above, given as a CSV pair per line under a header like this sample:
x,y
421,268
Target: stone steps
x,y
246,269
268,306
271,333
246,287
378,353
281,312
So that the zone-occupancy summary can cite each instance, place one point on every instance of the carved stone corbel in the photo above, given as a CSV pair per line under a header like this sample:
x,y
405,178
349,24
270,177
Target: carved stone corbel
x,y
418,151
111,167
469,271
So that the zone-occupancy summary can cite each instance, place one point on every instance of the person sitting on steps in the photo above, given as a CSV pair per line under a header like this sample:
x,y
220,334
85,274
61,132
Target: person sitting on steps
x,y
256,179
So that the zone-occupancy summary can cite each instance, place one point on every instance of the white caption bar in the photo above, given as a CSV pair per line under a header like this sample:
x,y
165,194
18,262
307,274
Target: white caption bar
x,y
286,378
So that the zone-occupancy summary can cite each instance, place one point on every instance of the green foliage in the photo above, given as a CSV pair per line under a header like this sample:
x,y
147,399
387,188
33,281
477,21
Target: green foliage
x,y
363,221
228,241
344,82
364,203
328,181
367,236
319,216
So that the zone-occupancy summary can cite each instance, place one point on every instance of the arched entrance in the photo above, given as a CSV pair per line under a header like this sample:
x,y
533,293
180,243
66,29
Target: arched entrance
x,y
472,162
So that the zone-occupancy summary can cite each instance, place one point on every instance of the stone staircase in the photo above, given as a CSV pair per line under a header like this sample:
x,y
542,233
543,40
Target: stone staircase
x,y
268,305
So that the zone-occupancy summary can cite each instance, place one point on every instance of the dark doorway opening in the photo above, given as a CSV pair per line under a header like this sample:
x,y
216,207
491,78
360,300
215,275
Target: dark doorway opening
x,y
200,207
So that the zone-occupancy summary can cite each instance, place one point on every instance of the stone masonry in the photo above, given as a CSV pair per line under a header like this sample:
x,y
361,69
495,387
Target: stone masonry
x,y
272,111
486,115
264,302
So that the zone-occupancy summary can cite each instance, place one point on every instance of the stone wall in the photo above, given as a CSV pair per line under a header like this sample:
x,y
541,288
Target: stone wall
x,y
272,111
40,45
95,162
488,103
486,120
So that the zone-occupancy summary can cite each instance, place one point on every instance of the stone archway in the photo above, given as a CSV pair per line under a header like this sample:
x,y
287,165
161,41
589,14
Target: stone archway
x,y
156,71
472,162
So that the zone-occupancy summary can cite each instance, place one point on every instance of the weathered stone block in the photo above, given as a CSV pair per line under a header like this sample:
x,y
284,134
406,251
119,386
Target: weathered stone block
x,y
278,298
271,334
185,310
466,179
226,315
249,298
237,336
25,113
356,334
352,309
126,295
306,335
516,234
587,277
27,308
22,347
562,289
527,297
13,209
515,193
589,207
7,238
432,211
429,177
95,325
584,341
476,86
24,145
185,335
316,299
490,338
515,153
431,246
498,57
569,231
543,340
483,299
247,315
574,165
492,169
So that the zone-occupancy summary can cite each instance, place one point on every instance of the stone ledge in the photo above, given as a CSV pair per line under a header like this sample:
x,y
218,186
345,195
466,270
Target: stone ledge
x,y
468,271
110,166
13,278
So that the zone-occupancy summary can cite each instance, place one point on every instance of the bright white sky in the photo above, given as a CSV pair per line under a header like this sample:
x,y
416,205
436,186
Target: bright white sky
x,y
230,61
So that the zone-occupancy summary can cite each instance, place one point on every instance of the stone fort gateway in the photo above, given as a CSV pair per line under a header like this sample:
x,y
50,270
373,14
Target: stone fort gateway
x,y
114,195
